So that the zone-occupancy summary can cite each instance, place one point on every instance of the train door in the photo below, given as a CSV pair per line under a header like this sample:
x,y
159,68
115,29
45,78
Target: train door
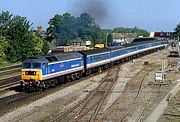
x,y
44,69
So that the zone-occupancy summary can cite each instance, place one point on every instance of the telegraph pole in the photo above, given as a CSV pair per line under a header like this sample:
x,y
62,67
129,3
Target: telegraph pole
x,y
106,38
178,44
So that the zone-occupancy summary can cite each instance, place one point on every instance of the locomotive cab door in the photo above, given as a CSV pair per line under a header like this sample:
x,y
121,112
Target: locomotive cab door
x,y
44,68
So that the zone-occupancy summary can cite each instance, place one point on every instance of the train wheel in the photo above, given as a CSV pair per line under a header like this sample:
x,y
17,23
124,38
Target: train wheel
x,y
81,74
54,83
73,77
77,75
68,78
47,84
39,88
99,70
61,79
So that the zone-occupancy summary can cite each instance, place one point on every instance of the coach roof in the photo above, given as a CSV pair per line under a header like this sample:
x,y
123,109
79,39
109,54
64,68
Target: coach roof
x,y
54,57
94,51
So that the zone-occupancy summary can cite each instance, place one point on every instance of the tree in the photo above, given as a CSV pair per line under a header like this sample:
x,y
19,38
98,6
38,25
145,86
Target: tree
x,y
20,39
85,20
87,29
84,24
140,32
5,20
62,28
109,39
177,31
21,42
40,45
3,46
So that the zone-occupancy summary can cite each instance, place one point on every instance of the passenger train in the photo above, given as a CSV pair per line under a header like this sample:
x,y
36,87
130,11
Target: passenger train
x,y
41,72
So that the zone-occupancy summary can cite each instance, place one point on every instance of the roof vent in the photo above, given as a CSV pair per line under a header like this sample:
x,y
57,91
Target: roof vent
x,y
32,58
52,59
49,59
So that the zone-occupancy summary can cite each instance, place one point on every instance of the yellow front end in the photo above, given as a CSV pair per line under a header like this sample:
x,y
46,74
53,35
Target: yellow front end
x,y
31,74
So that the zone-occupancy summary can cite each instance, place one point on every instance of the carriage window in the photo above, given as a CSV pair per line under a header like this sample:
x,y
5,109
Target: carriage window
x,y
91,58
27,65
36,65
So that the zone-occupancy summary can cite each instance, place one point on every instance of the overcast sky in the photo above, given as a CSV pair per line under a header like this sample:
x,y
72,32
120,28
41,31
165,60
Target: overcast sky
x,y
152,15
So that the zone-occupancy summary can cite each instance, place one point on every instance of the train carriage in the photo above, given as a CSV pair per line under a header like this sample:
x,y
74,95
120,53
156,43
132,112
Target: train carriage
x,y
132,50
96,58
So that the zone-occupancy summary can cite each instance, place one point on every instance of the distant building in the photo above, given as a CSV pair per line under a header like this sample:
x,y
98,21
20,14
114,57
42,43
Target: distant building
x,y
39,29
73,45
40,32
88,43
77,42
68,48
122,38
162,35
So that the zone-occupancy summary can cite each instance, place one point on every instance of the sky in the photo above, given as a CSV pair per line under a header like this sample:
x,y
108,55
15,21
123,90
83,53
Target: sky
x,y
152,15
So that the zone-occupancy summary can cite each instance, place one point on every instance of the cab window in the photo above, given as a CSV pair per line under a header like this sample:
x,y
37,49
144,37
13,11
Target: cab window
x,y
36,65
27,65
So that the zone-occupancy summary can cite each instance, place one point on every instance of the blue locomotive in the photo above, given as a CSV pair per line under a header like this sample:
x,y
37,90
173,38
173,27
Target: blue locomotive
x,y
39,72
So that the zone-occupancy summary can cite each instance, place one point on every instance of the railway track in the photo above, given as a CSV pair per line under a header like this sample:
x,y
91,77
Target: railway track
x,y
123,104
134,100
92,102
10,68
146,108
9,80
120,100
10,71
84,108
14,101
9,77
8,84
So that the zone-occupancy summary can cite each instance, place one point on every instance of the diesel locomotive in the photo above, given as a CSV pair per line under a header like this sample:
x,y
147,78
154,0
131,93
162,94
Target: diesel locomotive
x,y
41,72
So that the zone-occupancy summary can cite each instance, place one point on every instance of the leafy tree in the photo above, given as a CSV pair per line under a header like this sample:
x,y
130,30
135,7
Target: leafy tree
x,y
21,42
140,32
96,34
84,25
5,20
62,28
85,20
109,39
87,29
177,31
107,31
40,45
3,46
